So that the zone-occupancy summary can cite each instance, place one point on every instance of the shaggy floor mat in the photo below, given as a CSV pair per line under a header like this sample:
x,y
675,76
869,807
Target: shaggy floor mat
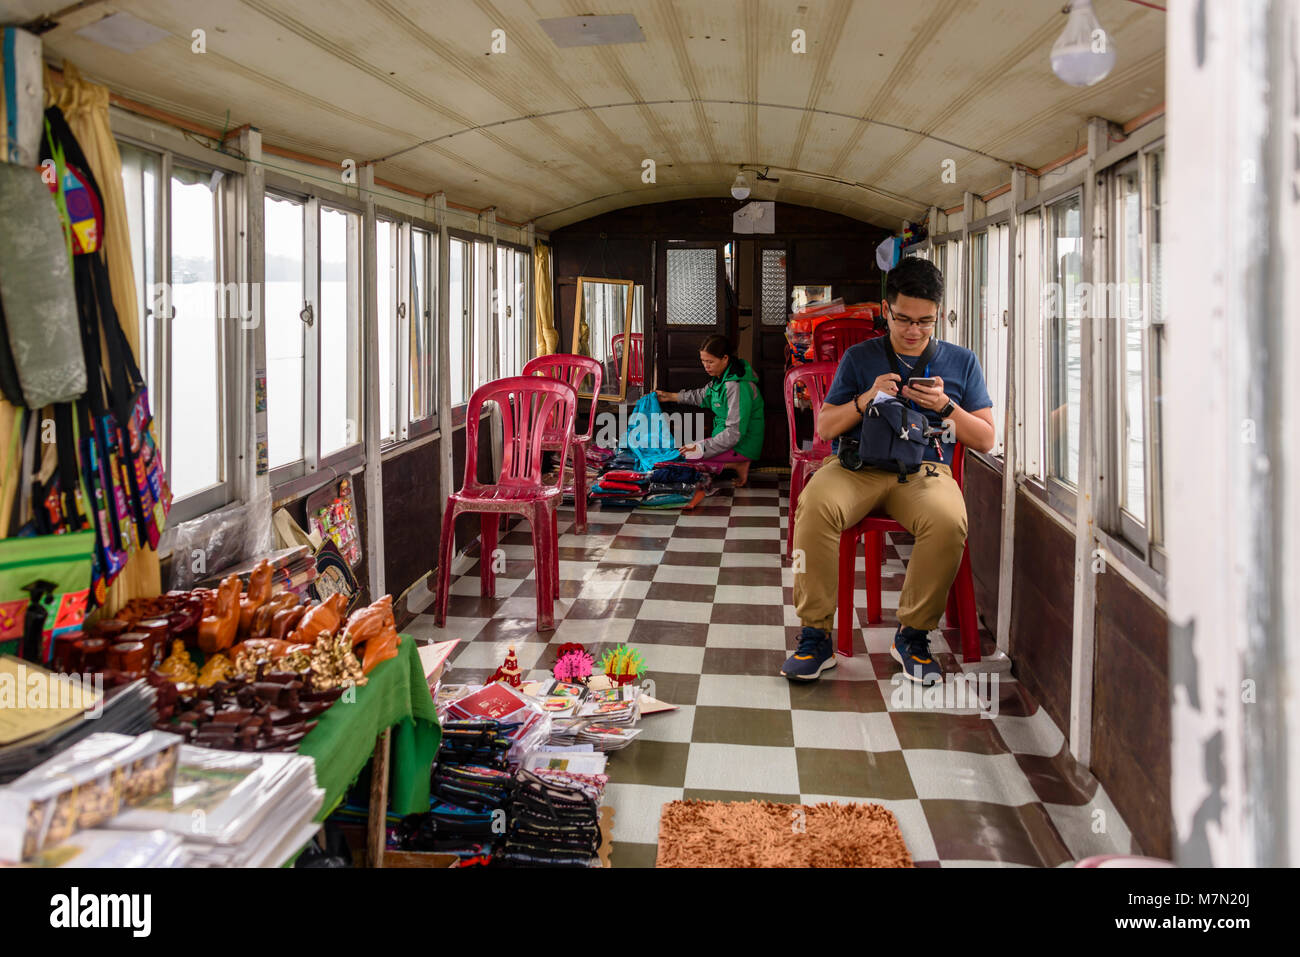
x,y
763,834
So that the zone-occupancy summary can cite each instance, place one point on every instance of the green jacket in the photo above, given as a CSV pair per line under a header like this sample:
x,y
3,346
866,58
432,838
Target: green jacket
x,y
737,408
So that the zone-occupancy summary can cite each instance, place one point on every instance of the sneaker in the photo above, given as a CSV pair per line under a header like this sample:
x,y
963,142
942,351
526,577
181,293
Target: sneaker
x,y
911,649
813,656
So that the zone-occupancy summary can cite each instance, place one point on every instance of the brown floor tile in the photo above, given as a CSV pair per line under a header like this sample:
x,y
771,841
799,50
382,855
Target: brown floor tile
x,y
732,575
714,510
699,532
982,831
643,517
629,855
1015,700
660,763
737,797
615,571
604,608
570,554
877,775
677,591
947,732
1058,779
693,559
676,688
754,521
511,629
528,588
726,614
836,695
754,546
765,727
639,542
692,633
742,661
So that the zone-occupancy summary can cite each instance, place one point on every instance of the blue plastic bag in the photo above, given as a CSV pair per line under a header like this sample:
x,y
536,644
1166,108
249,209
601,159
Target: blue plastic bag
x,y
648,437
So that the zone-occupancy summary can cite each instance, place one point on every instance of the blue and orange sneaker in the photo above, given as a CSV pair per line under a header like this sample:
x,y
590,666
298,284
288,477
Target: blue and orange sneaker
x,y
814,655
911,649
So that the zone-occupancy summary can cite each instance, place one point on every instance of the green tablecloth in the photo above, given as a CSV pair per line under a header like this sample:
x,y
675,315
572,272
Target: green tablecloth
x,y
396,697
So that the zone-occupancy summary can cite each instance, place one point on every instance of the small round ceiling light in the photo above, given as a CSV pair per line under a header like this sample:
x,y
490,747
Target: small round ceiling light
x,y
740,188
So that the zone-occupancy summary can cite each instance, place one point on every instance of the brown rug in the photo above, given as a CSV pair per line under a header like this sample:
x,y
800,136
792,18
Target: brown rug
x,y
763,834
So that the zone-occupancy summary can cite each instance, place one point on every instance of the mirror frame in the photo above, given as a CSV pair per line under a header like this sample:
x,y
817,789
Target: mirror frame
x,y
630,286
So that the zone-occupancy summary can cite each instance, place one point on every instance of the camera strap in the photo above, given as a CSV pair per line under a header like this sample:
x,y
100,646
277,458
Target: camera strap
x,y
922,363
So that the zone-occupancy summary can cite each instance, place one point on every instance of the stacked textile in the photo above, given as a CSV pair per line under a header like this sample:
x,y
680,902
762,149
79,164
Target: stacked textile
x,y
470,790
554,822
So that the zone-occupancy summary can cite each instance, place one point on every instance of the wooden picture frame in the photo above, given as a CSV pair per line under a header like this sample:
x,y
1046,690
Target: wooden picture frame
x,y
629,291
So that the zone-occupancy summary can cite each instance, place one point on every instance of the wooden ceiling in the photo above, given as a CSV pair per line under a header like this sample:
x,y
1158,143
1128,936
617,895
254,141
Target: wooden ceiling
x,y
884,95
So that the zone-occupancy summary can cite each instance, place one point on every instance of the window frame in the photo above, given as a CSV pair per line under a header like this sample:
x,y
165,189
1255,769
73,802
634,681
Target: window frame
x,y
404,428
285,479
229,367
521,324
469,238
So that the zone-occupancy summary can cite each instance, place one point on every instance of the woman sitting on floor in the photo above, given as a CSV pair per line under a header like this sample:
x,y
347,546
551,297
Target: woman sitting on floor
x,y
737,405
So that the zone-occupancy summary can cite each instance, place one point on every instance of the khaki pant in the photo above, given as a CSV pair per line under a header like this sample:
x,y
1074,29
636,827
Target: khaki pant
x,y
931,507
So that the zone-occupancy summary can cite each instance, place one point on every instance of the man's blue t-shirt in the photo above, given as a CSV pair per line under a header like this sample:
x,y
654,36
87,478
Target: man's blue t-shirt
x,y
963,380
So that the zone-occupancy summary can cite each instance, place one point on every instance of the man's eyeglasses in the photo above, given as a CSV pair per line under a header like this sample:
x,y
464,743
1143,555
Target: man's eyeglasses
x,y
925,325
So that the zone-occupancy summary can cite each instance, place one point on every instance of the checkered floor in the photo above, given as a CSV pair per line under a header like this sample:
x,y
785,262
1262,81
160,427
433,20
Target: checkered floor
x,y
706,597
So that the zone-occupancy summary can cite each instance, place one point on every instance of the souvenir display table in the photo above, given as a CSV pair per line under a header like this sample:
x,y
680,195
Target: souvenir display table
x,y
393,718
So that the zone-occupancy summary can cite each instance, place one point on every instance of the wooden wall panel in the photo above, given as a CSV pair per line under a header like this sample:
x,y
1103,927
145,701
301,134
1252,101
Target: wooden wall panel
x,y
983,488
1131,711
1042,608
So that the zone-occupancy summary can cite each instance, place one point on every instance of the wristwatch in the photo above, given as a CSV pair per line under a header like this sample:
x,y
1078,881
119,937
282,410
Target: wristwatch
x,y
947,409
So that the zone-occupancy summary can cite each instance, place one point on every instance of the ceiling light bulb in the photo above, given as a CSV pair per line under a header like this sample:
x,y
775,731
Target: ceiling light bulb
x,y
740,188
1084,53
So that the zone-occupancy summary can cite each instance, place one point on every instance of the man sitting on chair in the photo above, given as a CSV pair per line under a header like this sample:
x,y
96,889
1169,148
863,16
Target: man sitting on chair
x,y
929,504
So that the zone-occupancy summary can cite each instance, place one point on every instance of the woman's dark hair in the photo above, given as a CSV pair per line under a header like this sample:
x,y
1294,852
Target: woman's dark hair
x,y
717,346
917,278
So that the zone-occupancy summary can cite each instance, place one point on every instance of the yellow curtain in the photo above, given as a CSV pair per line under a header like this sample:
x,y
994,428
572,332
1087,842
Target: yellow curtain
x,y
85,106
548,337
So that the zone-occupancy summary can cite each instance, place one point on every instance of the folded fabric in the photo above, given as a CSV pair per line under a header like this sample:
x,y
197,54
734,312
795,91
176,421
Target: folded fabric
x,y
674,473
667,500
626,487
622,475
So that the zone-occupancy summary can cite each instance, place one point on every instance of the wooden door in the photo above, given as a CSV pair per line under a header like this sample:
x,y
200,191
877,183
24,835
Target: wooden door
x,y
691,303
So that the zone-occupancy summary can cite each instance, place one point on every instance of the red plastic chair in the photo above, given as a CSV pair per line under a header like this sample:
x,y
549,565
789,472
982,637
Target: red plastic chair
x,y
872,529
816,379
527,405
635,361
573,369
834,336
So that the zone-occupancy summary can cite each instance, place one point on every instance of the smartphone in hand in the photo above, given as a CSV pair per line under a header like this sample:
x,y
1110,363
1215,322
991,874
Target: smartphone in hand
x,y
928,382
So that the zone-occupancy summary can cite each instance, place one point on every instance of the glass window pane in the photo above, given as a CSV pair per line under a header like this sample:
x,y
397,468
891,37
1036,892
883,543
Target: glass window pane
x,y
386,285
979,308
479,334
285,330
1159,316
504,306
459,319
692,287
1127,259
773,288
340,330
1029,326
523,263
1064,346
140,172
421,351
196,347
952,291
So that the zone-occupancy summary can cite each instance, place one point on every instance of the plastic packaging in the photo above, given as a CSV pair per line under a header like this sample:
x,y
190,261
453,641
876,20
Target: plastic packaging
x,y
223,538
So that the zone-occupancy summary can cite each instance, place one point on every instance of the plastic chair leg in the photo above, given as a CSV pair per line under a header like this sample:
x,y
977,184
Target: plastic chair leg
x,y
848,549
796,486
541,528
555,551
446,543
951,617
489,525
967,616
873,548
578,451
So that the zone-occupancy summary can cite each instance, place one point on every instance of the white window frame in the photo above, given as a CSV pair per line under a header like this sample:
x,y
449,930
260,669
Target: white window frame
x,y
158,360
285,478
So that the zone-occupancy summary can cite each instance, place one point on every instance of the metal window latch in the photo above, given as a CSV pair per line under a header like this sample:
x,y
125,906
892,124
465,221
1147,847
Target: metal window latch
x,y
307,314
401,310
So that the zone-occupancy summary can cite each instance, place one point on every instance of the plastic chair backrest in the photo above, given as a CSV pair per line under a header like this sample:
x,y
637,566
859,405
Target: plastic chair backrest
x,y
958,464
573,369
635,361
833,337
816,378
527,404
